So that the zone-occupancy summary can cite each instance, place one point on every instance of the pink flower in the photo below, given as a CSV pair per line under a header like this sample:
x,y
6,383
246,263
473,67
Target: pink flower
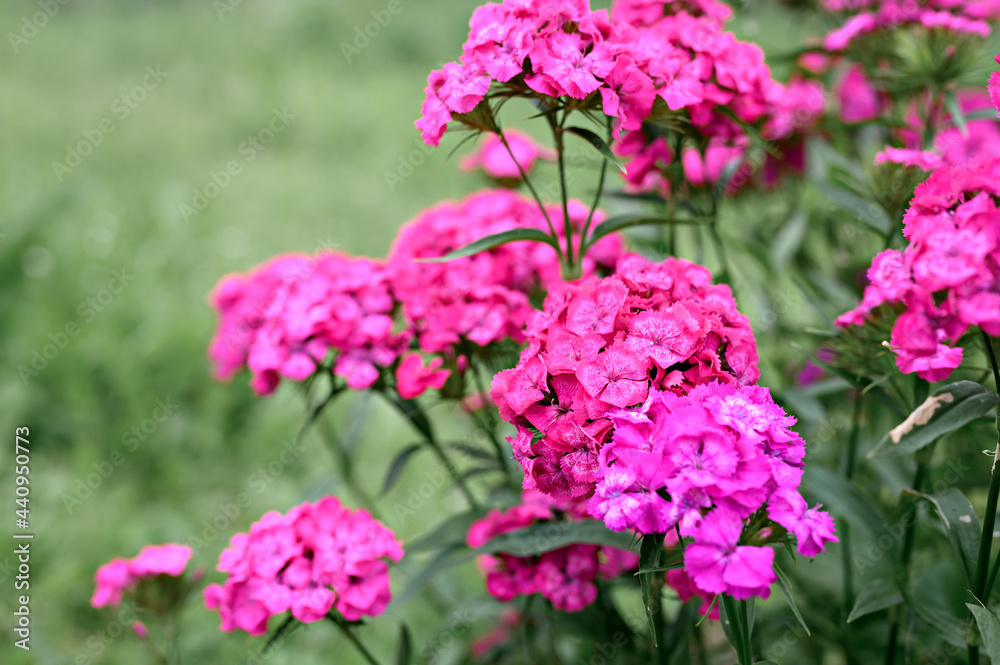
x,y
616,376
564,576
921,159
413,378
859,101
492,156
314,559
812,527
718,564
114,578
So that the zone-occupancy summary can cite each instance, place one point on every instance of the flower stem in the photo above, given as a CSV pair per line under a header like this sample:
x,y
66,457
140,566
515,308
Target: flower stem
x,y
557,136
593,208
534,193
353,639
845,535
737,618
984,582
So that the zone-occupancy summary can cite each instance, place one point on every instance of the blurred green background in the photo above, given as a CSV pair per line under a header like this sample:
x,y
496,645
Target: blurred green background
x,y
320,183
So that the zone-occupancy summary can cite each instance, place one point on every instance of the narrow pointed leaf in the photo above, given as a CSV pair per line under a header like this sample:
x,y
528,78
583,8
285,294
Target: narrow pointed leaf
x,y
989,628
649,557
491,241
598,143
948,628
955,109
945,410
962,526
405,647
397,466
411,410
620,222
786,591
546,536
879,594
450,532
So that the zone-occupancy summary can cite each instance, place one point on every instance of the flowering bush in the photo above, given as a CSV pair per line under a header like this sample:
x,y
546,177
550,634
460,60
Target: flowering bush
x,y
634,450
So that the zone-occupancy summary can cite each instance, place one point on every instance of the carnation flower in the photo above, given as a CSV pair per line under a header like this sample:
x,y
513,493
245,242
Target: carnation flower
x,y
317,558
494,159
948,276
565,576
116,577
603,344
482,299
283,318
702,463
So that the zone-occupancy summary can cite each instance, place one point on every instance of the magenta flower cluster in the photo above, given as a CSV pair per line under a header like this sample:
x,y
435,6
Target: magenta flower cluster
x,y
481,298
721,77
603,344
114,578
868,16
702,463
285,318
564,576
948,277
499,163
317,558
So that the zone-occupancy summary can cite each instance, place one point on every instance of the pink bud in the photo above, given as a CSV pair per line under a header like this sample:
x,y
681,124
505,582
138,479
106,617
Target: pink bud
x,y
140,630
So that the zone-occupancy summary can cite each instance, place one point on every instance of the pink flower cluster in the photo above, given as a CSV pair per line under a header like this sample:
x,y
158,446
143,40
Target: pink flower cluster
x,y
602,344
565,576
867,16
318,557
481,298
116,576
495,160
703,463
948,276
543,48
951,146
720,76
283,318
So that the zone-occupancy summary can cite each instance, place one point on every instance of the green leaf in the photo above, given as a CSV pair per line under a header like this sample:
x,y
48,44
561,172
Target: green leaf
x,y
598,143
545,536
661,569
868,212
786,591
844,500
649,557
950,629
405,647
948,408
449,533
962,526
491,241
449,557
410,408
397,466
955,109
989,628
878,594
620,222
475,453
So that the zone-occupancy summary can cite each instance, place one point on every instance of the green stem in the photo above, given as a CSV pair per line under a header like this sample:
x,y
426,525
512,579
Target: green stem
x,y
490,429
738,626
908,541
557,136
353,639
431,440
984,581
845,532
534,193
597,199
345,461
